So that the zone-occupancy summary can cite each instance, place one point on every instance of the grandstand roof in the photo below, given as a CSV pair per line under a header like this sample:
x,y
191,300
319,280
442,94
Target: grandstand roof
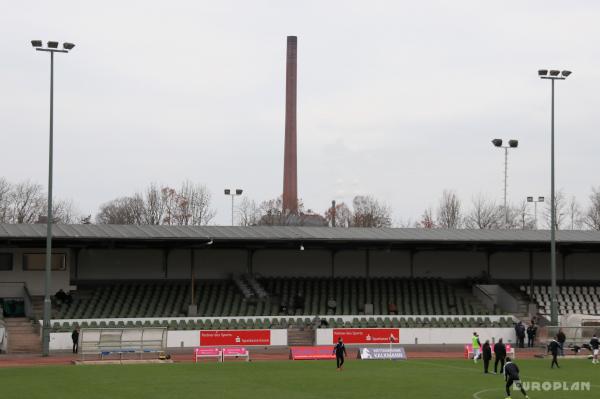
x,y
288,234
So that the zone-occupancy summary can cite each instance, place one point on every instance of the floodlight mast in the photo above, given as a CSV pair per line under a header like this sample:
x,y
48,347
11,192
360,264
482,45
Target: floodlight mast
x,y
233,194
511,144
535,202
553,75
52,47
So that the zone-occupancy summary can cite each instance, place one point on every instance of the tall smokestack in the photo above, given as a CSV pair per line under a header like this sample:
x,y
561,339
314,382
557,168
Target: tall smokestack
x,y
290,178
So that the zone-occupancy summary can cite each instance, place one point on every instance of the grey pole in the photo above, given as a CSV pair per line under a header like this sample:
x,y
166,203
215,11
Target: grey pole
x,y
232,197
48,269
505,185
553,305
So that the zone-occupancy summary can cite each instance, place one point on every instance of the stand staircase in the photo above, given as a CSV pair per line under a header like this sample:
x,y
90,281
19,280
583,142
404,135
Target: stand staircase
x,y
300,337
23,335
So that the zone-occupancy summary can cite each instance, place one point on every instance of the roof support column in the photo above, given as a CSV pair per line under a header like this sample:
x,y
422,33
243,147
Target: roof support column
x,y
333,252
250,261
192,308
530,277
165,260
75,265
368,301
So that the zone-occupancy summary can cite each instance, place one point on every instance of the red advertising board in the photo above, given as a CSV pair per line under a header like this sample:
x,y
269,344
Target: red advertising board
x,y
235,337
366,335
312,353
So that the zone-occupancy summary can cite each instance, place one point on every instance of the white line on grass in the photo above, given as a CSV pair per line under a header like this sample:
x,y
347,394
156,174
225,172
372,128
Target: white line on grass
x,y
476,394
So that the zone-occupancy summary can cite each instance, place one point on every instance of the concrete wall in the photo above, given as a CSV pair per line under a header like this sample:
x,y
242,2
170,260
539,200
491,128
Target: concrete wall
x,y
292,263
449,264
175,339
35,278
582,267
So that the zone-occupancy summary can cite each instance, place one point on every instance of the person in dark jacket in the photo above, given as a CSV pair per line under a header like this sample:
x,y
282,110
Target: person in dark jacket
x,y
340,352
520,332
487,355
500,352
595,347
531,333
511,375
561,338
75,338
554,348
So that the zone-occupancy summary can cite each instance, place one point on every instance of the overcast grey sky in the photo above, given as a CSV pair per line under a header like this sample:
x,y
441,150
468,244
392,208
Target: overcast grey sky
x,y
398,99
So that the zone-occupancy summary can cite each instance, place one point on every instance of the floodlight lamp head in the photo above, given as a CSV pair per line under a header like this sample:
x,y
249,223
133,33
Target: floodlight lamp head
x,y
239,191
513,143
497,142
529,199
68,46
36,43
227,191
565,73
52,44
554,72
541,199
542,72
301,247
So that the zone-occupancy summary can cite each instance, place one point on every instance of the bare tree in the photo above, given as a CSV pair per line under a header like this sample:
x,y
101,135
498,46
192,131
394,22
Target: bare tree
x,y
124,210
248,212
449,211
574,214
27,202
194,205
272,214
65,212
519,217
561,212
369,212
5,200
155,202
342,213
427,220
592,215
485,214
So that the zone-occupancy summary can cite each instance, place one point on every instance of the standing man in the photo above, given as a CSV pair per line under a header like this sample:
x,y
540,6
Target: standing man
x,y
561,338
531,333
476,347
75,338
595,345
340,352
500,351
487,356
520,331
511,375
554,347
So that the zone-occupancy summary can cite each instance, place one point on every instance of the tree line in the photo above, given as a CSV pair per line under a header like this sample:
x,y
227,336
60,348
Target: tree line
x,y
190,204
485,213
26,202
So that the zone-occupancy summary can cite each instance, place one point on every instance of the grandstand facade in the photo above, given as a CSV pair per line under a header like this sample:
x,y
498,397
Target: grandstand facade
x,y
194,278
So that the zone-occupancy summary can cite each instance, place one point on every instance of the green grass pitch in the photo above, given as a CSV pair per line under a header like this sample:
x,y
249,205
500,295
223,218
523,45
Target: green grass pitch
x,y
422,379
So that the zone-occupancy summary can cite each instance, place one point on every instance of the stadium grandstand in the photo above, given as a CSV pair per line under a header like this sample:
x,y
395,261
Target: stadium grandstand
x,y
299,279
